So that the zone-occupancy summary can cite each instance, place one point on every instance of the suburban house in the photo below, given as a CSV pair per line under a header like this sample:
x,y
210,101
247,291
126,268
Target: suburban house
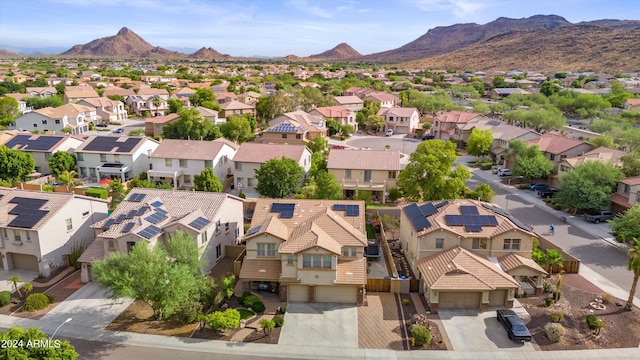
x,y
349,102
557,147
338,113
250,98
250,156
468,254
209,114
297,127
602,154
177,162
444,125
360,92
110,157
73,94
632,104
214,220
110,111
504,92
183,94
39,229
143,102
153,125
236,108
307,250
117,91
48,119
305,119
42,91
627,195
41,147
385,99
370,170
401,120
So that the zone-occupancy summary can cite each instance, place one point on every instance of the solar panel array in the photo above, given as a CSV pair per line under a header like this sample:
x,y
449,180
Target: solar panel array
x,y
142,210
128,226
149,232
120,219
109,143
469,210
500,211
27,211
156,218
131,214
350,210
285,210
471,219
286,128
136,197
157,203
41,143
418,215
107,224
253,230
199,223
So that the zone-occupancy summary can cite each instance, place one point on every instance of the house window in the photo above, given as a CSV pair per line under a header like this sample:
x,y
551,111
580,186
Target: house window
x,y
85,214
92,172
354,251
367,175
218,251
183,163
261,249
116,158
209,163
439,243
167,162
80,156
240,182
250,181
238,166
479,243
289,259
28,236
627,189
35,125
306,261
103,157
203,237
226,158
511,244
47,155
284,136
552,157
347,174
187,179
326,261
44,122
57,122
345,251
112,244
130,245
298,136
271,249
317,261
16,236
392,174
69,224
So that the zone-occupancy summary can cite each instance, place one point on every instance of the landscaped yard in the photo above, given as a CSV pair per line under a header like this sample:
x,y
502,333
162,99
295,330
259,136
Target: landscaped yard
x,y
371,232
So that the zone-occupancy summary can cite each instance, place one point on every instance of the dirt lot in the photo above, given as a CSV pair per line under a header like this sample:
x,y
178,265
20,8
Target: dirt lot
x,y
622,328
138,318
437,342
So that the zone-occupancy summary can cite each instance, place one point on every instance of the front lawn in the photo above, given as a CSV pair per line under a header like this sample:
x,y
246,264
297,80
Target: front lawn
x,y
245,314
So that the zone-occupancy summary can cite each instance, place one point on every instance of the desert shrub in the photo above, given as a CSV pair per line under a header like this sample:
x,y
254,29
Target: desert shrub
x,y
223,320
555,332
486,166
5,298
252,301
594,323
37,301
548,301
523,187
47,188
278,320
556,317
547,288
557,207
258,306
556,296
267,325
406,302
420,319
97,193
607,298
421,335
188,312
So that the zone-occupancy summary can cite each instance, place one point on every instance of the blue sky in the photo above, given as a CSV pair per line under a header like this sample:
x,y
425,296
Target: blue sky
x,y
272,27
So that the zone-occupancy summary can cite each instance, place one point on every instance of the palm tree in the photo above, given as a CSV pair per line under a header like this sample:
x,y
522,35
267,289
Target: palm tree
x,y
15,279
633,264
67,178
156,102
27,287
554,258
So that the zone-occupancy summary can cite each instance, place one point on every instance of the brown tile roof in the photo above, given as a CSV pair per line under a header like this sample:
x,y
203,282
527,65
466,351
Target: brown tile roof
x,y
456,117
621,200
556,144
304,117
54,202
187,149
382,96
80,92
363,159
236,105
513,261
261,153
149,91
259,269
351,272
398,111
631,181
102,102
17,96
461,269
115,90
162,119
333,112
95,251
350,99
603,154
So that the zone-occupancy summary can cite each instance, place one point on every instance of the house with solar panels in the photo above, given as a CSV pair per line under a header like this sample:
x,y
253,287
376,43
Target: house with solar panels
x,y
38,229
41,147
111,157
468,254
150,216
306,250
297,127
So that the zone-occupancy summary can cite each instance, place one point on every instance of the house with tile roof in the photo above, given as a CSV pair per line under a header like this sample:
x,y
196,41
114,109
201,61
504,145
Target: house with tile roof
x,y
150,216
236,108
73,94
632,104
183,95
401,120
444,125
627,194
153,125
370,170
349,102
177,162
143,102
109,157
296,127
338,113
385,99
39,229
42,146
117,91
307,250
44,92
557,147
602,154
109,111
48,119
468,254
250,156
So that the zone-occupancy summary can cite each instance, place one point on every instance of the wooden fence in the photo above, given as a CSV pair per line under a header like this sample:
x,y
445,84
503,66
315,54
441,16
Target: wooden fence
x,y
571,264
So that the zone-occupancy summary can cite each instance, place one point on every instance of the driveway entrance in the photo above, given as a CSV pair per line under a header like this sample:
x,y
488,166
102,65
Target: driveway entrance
x,y
320,324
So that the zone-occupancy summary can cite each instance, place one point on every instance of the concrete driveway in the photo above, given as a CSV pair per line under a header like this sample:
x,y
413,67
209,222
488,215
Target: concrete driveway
x,y
320,324
26,276
469,330
90,306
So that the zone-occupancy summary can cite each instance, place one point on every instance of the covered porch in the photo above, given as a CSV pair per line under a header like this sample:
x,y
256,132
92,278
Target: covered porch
x,y
161,175
113,170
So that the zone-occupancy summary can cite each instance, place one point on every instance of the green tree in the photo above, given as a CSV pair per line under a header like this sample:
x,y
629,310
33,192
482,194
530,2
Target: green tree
x,y
554,259
14,280
175,105
333,126
625,226
15,165
68,178
391,223
548,88
156,102
59,349
479,142
321,185
192,126
346,130
589,185
482,192
9,110
631,163
202,95
38,102
318,145
429,175
61,87
633,264
375,122
531,164
480,107
279,178
603,140
207,181
60,161
237,129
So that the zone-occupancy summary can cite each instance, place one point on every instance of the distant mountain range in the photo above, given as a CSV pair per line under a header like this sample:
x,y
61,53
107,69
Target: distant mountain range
x,y
539,42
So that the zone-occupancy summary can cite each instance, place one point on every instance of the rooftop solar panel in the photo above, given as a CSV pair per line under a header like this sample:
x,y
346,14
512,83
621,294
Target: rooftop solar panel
x,y
156,218
352,210
473,228
412,211
468,210
286,214
453,220
428,209
253,230
107,224
24,222
28,202
157,203
442,204
39,143
111,143
120,219
339,207
131,214
149,232
136,197
420,223
142,210
128,226
199,223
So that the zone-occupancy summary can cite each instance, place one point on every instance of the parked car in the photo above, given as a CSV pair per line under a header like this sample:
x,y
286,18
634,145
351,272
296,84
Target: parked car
x,y
118,130
495,169
549,193
504,172
538,187
516,329
427,137
598,216
389,132
102,125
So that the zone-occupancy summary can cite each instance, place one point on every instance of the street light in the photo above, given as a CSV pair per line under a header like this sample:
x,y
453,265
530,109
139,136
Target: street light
x,y
58,328
507,205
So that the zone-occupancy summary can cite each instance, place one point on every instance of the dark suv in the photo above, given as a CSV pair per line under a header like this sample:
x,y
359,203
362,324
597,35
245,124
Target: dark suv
x,y
516,329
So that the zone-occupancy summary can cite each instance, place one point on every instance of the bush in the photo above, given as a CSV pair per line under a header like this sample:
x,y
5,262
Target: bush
x,y
557,207
486,166
267,325
421,335
607,298
556,296
593,322
547,288
278,320
556,317
223,320
252,301
188,313
5,298
37,301
523,187
97,193
548,301
406,302
555,332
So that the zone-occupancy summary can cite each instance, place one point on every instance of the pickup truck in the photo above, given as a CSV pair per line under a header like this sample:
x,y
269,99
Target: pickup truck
x,y
599,216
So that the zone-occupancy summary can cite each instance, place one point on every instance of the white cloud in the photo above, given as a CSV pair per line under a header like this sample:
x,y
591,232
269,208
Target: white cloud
x,y
303,5
459,8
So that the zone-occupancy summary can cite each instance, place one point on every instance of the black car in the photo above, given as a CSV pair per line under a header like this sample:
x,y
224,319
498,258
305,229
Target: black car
x,y
102,125
548,193
516,329
427,137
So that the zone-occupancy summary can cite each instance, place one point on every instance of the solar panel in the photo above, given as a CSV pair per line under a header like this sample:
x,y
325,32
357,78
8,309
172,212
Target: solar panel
x,y
27,212
253,230
156,218
149,232
352,210
420,223
276,207
136,197
157,203
339,207
131,214
28,202
128,226
473,228
442,204
453,220
142,210
29,142
112,143
161,211
286,214
120,219
24,222
412,211
428,209
199,223
468,210
107,224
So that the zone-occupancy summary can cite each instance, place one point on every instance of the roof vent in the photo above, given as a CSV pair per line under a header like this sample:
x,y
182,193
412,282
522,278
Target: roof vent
x,y
262,270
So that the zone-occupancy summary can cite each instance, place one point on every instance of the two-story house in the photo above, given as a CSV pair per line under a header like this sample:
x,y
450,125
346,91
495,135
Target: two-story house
x,y
400,119
602,154
48,119
250,156
39,229
305,119
153,126
73,94
627,195
236,108
41,147
557,147
44,92
110,157
349,102
370,170
109,111
148,100
338,113
468,254
150,216
385,99
444,125
307,250
177,162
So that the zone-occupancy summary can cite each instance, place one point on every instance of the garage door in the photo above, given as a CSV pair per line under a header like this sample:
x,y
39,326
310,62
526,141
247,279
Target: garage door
x,y
25,262
498,297
459,300
402,129
337,294
298,293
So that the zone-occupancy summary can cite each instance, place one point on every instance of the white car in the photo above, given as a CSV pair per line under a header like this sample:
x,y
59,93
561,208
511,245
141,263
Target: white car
x,y
504,172
389,132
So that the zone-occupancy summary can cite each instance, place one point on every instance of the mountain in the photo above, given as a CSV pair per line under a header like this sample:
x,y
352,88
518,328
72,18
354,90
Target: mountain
x,y
444,39
341,52
567,48
614,24
8,53
208,54
125,43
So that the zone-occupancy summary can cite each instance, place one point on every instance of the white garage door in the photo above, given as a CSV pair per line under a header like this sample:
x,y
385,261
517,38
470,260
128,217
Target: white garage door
x,y
25,262
498,297
402,129
337,294
298,293
459,300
